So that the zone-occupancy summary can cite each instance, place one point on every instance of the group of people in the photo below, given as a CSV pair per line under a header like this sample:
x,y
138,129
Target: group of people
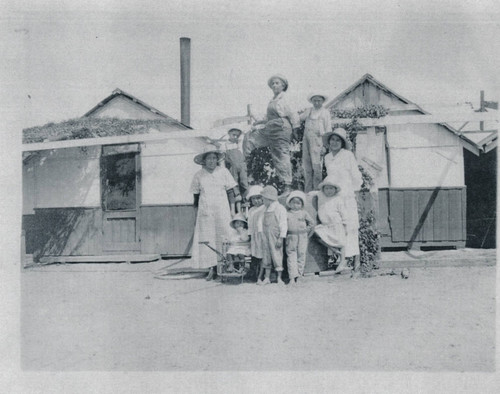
x,y
271,225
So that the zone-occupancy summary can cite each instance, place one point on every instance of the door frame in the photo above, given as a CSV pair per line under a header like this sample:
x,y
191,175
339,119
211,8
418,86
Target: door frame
x,y
124,213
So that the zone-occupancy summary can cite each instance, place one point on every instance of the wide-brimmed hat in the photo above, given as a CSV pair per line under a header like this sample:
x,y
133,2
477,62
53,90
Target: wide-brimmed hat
x,y
341,133
200,157
270,193
279,76
309,98
296,194
330,181
254,191
238,217
235,129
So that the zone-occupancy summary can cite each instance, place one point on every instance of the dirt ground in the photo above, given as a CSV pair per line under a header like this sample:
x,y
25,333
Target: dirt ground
x,y
105,317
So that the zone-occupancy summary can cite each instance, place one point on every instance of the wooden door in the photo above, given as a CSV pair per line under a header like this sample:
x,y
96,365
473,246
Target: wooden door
x,y
120,182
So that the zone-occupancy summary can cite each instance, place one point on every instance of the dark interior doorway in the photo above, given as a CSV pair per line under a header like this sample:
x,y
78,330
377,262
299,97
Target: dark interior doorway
x,y
481,182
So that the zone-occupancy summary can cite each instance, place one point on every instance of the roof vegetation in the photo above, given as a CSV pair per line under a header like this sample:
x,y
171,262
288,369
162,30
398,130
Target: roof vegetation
x,y
90,127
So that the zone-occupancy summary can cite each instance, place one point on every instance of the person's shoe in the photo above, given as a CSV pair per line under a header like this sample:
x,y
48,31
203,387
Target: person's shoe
x,y
266,281
280,282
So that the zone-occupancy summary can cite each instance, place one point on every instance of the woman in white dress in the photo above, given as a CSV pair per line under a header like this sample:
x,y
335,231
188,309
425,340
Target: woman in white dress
x,y
211,187
340,162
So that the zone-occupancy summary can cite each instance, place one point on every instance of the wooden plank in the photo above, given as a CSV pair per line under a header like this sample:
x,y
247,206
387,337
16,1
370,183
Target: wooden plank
x,y
383,216
67,231
464,213
167,229
396,215
440,223
410,215
455,222
101,258
420,119
387,120
427,232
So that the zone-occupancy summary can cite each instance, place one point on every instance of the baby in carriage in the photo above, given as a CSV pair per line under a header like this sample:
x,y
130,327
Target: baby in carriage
x,y
238,244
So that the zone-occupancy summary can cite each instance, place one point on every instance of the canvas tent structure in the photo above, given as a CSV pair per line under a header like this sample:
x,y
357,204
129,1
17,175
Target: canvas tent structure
x,y
418,168
107,184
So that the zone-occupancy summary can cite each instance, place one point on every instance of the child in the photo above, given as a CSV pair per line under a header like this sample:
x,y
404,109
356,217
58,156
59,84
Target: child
x,y
331,213
237,251
255,226
317,123
235,161
299,225
274,232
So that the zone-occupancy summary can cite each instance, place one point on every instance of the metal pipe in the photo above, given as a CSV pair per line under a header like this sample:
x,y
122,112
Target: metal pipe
x,y
185,44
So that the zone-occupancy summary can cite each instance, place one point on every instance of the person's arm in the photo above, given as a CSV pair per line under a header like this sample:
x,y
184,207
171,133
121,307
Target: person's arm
x,y
196,200
282,220
356,177
285,111
327,121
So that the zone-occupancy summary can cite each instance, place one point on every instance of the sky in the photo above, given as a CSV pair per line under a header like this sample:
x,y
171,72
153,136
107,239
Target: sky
x,y
67,56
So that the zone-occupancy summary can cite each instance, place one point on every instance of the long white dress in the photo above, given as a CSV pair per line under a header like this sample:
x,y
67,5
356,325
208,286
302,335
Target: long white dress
x,y
345,167
331,214
214,214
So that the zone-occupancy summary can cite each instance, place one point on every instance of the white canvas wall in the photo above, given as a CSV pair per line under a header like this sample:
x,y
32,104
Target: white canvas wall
x,y
424,155
67,178
167,171
370,153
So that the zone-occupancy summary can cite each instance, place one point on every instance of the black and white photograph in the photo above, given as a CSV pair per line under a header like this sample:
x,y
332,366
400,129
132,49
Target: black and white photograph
x,y
281,196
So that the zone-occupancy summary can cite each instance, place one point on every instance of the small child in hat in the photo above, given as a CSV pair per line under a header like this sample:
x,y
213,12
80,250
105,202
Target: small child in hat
x,y
275,227
238,243
235,161
333,228
255,226
300,224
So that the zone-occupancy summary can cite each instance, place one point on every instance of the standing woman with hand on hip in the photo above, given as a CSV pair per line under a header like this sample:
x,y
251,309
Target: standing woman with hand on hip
x,y
211,186
280,122
341,163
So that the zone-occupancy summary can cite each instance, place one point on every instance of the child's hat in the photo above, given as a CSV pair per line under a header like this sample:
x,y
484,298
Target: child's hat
x,y
253,191
236,130
238,217
296,194
341,133
330,181
279,76
200,157
314,94
270,193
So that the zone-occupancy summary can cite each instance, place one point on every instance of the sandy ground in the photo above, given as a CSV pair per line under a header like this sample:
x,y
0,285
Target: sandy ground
x,y
105,317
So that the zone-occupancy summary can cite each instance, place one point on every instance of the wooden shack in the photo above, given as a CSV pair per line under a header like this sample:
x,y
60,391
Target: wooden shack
x,y
93,192
418,170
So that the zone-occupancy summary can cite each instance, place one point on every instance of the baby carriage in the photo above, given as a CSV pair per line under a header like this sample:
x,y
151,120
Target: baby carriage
x,y
241,268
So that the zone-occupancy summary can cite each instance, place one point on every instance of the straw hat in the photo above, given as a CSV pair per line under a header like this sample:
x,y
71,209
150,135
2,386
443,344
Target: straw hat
x,y
283,79
330,181
296,194
341,133
200,157
254,191
235,129
239,217
270,193
309,98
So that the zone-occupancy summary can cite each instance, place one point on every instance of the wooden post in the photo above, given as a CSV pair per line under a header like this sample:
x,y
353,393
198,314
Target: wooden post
x,y
481,109
249,113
